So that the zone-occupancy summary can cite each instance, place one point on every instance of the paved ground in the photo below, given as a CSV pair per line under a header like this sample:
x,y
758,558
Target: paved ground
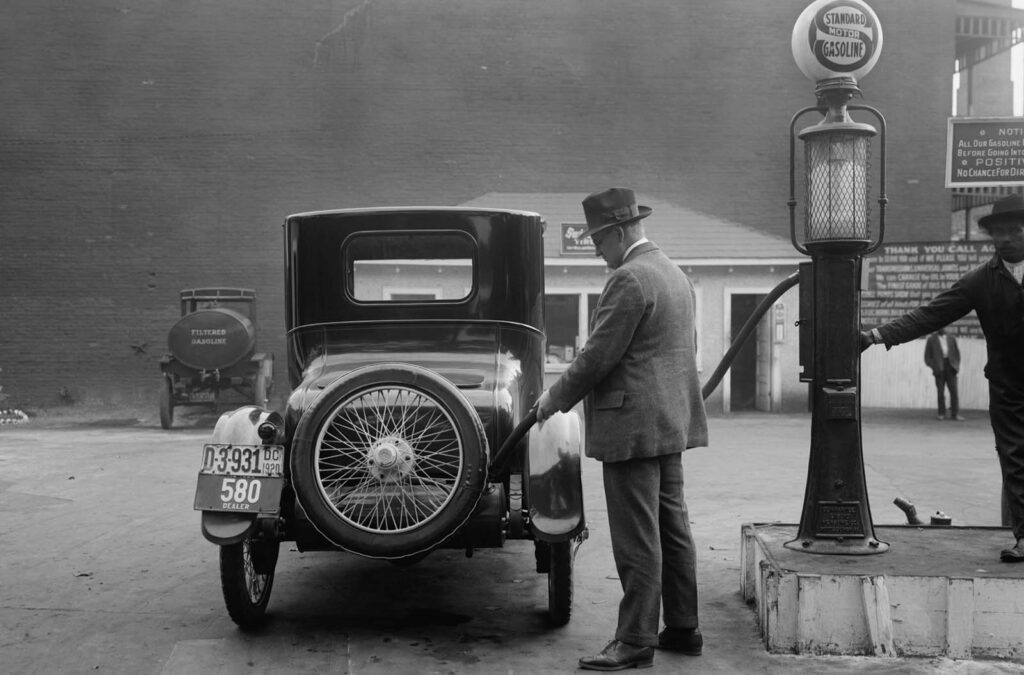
x,y
104,568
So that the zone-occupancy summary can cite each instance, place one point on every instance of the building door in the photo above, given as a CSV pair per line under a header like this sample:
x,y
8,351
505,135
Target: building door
x,y
750,373
763,368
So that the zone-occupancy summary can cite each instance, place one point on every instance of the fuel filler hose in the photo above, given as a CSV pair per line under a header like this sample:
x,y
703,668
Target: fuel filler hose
x,y
748,328
504,453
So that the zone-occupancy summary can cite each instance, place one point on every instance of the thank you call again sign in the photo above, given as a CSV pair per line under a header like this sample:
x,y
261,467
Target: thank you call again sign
x,y
985,151
836,38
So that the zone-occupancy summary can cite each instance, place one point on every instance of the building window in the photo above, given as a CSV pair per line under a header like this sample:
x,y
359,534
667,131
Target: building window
x,y
567,321
402,295
561,327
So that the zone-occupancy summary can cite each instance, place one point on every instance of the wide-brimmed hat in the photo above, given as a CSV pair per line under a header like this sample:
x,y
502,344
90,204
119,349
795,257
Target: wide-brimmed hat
x,y
614,206
1007,208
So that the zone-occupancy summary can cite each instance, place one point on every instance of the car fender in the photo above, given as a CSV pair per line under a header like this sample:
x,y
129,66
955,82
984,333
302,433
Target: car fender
x,y
241,426
237,427
554,489
226,528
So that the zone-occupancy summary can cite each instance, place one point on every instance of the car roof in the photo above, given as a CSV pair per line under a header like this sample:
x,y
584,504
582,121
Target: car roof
x,y
410,209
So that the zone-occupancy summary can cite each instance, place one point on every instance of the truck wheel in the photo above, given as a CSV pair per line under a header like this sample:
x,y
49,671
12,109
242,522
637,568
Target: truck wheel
x,y
246,578
166,404
560,564
389,461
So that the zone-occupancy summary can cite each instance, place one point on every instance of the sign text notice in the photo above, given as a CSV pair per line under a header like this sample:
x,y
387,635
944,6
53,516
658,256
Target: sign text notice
x,y
985,151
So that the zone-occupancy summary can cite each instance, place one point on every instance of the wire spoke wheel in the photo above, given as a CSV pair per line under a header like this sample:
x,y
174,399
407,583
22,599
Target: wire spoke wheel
x,y
389,461
255,584
247,578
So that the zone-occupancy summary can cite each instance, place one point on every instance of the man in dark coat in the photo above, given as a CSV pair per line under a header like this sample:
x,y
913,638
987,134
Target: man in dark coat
x,y
942,355
637,375
993,290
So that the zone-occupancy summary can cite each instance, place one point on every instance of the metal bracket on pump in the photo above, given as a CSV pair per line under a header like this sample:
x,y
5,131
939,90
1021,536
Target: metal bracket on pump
x,y
805,324
841,400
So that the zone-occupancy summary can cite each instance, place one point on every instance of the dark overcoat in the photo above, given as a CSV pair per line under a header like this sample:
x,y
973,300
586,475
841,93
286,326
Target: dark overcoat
x,y
996,297
638,370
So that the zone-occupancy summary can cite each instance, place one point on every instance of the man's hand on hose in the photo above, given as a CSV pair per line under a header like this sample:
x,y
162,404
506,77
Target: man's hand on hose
x,y
545,407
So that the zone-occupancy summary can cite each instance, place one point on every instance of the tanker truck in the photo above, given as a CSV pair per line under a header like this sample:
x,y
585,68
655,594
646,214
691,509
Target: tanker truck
x,y
212,358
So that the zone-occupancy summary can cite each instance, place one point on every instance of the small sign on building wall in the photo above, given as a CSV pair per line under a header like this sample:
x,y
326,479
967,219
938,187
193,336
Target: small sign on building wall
x,y
573,241
985,151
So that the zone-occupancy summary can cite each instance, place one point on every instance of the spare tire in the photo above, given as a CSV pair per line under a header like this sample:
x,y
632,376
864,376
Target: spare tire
x,y
209,339
389,461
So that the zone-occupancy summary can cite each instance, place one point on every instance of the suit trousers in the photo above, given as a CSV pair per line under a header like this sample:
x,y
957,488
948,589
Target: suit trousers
x,y
1006,411
652,546
946,378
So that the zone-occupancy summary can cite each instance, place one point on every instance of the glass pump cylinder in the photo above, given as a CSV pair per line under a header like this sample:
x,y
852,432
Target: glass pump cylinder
x,y
837,160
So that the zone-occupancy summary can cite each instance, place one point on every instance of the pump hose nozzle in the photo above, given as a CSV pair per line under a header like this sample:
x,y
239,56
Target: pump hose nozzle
x,y
908,509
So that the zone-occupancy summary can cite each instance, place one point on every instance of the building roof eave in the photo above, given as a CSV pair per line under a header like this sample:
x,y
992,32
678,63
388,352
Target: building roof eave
x,y
689,262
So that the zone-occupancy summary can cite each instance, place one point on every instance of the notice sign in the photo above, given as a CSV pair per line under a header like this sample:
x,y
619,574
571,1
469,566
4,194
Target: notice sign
x,y
985,151
902,277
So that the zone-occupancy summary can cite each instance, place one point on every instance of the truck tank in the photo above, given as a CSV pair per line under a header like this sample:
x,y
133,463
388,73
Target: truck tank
x,y
210,339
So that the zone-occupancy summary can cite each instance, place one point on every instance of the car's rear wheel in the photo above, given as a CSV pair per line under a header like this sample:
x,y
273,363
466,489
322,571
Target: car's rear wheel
x,y
390,461
557,560
246,578
166,404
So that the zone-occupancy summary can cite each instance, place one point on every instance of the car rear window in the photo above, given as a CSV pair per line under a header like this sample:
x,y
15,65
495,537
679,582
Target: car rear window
x,y
410,267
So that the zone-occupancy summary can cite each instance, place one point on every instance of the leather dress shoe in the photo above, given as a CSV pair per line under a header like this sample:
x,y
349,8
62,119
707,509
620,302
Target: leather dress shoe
x,y
1013,555
687,641
619,656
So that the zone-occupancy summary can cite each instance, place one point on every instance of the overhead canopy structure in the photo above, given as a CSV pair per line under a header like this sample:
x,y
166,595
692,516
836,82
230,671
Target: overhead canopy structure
x,y
984,30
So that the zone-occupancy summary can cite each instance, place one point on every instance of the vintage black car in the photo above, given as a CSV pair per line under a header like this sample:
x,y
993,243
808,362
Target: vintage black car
x,y
211,357
415,354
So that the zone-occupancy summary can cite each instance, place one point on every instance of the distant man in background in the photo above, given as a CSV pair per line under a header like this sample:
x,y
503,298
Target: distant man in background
x,y
942,355
994,291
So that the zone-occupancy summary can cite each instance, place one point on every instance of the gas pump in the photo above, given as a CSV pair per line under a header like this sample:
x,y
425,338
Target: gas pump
x,y
834,44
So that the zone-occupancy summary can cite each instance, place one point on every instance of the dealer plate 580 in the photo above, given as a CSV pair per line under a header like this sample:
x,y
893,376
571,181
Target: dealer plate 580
x,y
246,478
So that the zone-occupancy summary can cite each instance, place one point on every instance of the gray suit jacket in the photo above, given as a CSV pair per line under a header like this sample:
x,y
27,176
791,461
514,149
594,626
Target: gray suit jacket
x,y
638,370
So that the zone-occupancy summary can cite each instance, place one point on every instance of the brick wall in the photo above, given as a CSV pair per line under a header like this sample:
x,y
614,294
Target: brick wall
x,y
152,146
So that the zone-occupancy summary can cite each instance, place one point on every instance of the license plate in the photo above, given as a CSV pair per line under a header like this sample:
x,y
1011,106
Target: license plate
x,y
243,460
201,397
241,478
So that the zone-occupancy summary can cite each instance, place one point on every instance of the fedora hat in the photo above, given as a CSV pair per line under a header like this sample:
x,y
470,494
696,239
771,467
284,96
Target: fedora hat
x,y
1007,208
614,206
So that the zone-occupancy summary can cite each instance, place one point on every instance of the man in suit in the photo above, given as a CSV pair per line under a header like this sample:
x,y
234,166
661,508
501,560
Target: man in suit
x,y
942,355
995,292
637,375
